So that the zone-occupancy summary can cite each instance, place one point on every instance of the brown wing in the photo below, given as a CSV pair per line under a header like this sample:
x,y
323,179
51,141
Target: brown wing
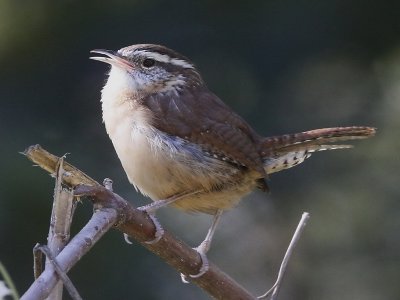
x,y
201,117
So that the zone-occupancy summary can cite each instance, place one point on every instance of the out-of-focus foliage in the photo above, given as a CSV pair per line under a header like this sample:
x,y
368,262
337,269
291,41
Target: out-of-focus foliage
x,y
286,66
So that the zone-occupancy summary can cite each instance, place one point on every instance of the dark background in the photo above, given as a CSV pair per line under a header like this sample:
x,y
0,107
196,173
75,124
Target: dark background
x,y
285,66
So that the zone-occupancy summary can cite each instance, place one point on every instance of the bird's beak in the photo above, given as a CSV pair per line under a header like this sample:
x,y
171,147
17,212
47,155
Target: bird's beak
x,y
112,58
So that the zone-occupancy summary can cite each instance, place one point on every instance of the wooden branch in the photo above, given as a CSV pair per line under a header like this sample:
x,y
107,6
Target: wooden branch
x,y
47,161
60,224
65,281
72,253
296,237
137,225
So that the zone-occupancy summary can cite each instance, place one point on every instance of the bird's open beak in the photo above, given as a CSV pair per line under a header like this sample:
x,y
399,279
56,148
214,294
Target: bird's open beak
x,y
112,58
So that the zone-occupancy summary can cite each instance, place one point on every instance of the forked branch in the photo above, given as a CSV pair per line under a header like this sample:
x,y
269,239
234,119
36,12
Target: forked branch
x,y
113,211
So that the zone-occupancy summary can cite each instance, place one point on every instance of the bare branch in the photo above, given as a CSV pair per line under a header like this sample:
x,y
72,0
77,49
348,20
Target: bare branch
x,y
98,225
60,223
132,222
47,161
296,236
63,276
138,225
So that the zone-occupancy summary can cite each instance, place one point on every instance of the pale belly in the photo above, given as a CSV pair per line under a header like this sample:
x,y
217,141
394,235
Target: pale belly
x,y
160,166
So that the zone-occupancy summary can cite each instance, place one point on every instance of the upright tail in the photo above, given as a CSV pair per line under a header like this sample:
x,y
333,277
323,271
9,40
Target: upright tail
x,y
286,151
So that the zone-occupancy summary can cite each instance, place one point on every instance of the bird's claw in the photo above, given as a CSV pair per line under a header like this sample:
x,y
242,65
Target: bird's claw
x,y
204,264
127,239
159,230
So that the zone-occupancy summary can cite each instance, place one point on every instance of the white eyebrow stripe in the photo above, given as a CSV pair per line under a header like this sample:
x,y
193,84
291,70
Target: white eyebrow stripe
x,y
166,59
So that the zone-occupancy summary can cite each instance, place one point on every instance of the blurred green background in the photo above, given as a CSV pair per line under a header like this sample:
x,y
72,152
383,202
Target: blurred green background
x,y
286,66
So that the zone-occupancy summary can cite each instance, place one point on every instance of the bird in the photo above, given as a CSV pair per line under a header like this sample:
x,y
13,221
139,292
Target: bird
x,y
181,145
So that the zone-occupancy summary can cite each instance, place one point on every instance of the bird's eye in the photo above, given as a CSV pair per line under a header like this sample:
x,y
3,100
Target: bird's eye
x,y
148,62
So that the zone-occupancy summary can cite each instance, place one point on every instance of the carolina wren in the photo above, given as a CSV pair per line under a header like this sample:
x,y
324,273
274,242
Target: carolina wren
x,y
177,140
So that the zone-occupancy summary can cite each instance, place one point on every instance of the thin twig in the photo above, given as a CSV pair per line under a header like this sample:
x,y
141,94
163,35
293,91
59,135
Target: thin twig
x,y
9,281
296,236
37,262
73,292
98,225
60,223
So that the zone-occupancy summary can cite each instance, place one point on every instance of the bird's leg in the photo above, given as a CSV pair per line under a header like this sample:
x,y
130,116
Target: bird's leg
x,y
151,210
205,245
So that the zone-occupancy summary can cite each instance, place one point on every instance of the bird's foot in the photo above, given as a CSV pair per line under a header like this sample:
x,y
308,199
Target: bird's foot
x,y
202,250
150,209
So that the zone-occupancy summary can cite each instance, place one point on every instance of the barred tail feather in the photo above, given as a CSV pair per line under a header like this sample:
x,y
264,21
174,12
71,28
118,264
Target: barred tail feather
x,y
282,161
286,151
